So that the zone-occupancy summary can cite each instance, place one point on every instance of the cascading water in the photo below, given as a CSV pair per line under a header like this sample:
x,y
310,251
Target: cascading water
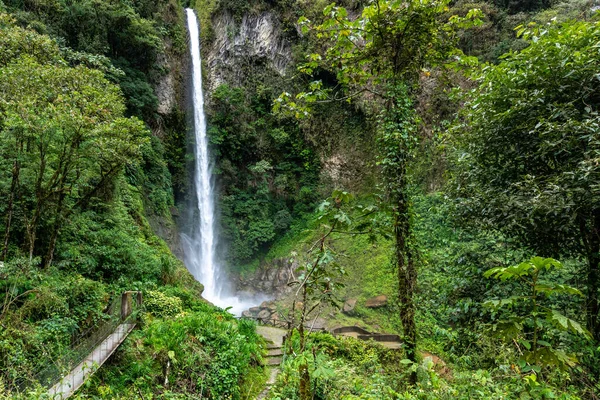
x,y
200,257
200,245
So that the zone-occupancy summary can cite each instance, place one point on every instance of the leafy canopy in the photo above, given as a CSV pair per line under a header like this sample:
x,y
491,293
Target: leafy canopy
x,y
528,144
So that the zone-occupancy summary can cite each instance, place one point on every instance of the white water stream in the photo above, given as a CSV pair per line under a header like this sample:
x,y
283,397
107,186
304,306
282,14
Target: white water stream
x,y
200,245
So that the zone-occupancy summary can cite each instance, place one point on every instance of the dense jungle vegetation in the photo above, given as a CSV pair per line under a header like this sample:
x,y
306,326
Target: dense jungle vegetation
x,y
445,154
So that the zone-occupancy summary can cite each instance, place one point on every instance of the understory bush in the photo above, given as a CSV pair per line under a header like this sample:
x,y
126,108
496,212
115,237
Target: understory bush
x,y
204,352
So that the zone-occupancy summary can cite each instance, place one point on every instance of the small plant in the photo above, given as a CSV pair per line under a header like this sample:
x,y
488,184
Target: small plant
x,y
531,323
317,281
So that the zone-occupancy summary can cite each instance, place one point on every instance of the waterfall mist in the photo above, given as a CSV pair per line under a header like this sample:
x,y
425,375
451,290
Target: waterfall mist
x,y
200,242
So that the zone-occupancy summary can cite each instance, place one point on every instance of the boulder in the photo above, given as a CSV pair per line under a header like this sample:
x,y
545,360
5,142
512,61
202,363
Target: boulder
x,y
376,302
438,364
254,310
268,305
247,314
349,306
316,324
264,315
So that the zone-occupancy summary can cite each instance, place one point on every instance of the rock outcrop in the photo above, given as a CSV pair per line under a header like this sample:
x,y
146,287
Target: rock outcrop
x,y
257,40
272,279
165,88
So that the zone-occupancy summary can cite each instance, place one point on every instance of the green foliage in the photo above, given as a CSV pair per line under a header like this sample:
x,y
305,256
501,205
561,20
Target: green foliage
x,y
15,42
340,369
141,100
530,327
65,137
161,305
202,351
153,178
395,40
532,183
527,167
40,315
175,149
318,277
130,34
271,169
520,6
266,185
453,323
396,142
65,146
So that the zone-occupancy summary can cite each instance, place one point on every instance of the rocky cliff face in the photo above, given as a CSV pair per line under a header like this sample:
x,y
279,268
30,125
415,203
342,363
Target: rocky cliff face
x,y
256,41
165,88
272,279
170,91
170,87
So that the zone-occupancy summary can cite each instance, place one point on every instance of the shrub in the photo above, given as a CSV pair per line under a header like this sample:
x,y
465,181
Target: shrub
x,y
161,305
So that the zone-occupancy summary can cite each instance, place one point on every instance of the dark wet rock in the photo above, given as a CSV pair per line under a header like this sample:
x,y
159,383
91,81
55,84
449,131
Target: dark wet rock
x,y
268,305
254,310
272,279
264,314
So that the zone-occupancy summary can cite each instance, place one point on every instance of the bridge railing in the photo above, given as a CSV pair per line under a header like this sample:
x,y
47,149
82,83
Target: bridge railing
x,y
281,323
122,309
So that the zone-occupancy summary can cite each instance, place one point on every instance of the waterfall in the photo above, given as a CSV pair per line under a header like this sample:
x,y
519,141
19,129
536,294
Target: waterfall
x,y
201,243
201,246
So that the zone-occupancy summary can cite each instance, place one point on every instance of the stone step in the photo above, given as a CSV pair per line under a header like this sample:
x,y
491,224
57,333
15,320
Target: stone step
x,y
275,352
274,361
271,346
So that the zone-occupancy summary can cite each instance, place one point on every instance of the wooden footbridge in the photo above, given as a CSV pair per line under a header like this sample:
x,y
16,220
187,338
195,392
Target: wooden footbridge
x,y
68,374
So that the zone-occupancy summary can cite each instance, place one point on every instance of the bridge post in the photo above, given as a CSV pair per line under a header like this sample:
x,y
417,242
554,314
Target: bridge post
x,y
125,305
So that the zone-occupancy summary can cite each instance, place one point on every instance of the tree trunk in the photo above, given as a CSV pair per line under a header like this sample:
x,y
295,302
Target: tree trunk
x,y
9,212
407,278
31,225
303,368
304,382
58,222
593,278
54,238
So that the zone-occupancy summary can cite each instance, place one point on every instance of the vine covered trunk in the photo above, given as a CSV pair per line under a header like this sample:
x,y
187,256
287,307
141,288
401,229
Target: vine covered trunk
x,y
593,278
407,278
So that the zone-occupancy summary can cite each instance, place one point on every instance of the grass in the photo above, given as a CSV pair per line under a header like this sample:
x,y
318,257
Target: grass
x,y
254,383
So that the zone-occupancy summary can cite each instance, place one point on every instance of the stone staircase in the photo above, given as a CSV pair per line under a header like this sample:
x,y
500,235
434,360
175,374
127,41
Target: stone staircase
x,y
274,339
274,354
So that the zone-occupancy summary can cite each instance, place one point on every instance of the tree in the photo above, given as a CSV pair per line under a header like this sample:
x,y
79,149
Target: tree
x,y
377,58
527,149
316,282
62,129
